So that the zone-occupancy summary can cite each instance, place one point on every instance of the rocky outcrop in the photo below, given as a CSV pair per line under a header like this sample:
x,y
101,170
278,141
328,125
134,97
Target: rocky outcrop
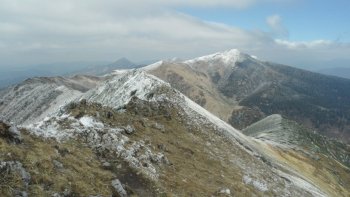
x,y
9,170
118,189
10,133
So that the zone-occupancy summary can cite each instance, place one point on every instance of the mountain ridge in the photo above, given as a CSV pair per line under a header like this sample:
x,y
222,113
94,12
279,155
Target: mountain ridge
x,y
260,88
123,95
148,138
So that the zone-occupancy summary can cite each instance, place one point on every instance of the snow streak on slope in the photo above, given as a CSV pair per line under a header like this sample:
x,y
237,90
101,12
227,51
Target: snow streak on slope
x,y
63,99
202,116
242,139
30,102
37,98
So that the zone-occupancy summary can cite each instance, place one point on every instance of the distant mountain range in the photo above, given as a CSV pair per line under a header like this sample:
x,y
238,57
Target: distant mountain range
x,y
120,64
11,76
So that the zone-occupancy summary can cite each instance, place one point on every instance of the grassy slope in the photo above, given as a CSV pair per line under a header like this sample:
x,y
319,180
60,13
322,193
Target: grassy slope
x,y
304,152
197,86
253,90
197,168
82,173
201,161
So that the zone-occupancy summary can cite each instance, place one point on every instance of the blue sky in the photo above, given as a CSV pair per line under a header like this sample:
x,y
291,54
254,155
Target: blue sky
x,y
305,20
303,33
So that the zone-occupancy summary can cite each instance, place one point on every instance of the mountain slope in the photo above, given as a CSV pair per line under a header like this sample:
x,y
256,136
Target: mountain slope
x,y
327,161
242,89
151,140
160,133
288,134
196,85
36,98
318,101
166,141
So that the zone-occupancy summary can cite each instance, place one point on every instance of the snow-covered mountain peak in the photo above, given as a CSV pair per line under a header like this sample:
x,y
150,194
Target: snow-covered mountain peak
x,y
214,62
229,57
120,89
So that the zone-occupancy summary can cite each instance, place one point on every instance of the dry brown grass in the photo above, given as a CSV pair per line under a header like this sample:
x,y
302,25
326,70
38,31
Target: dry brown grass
x,y
200,160
196,169
197,86
328,174
81,173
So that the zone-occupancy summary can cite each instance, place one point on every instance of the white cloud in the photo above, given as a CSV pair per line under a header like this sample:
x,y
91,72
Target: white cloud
x,y
45,31
208,3
315,44
275,23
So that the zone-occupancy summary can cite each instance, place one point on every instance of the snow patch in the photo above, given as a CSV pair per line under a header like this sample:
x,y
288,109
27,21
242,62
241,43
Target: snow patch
x,y
254,57
153,66
90,122
259,185
121,71
229,57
